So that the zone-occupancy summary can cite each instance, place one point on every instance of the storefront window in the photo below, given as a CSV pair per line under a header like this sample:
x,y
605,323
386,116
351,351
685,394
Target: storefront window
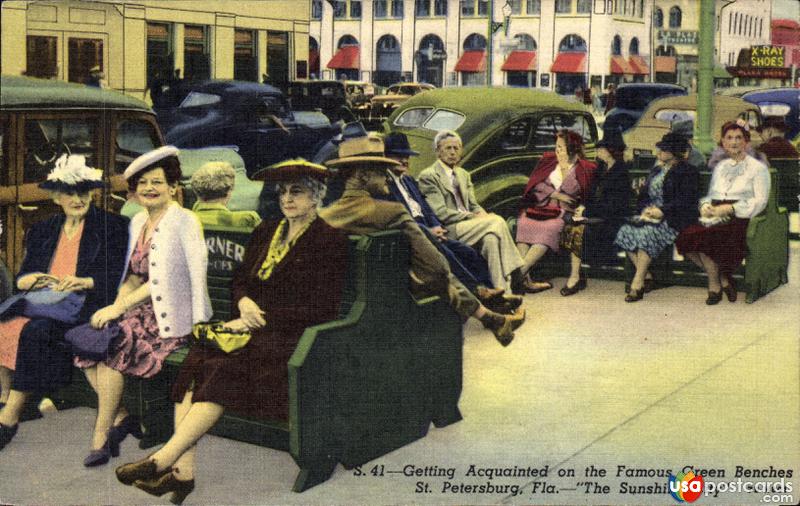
x,y
42,60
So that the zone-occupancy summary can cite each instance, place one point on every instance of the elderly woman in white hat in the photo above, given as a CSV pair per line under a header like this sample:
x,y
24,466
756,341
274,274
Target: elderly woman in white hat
x,y
291,278
79,250
162,295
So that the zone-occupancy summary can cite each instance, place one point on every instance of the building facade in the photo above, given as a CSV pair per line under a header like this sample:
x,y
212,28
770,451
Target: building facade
x,y
135,44
554,44
739,25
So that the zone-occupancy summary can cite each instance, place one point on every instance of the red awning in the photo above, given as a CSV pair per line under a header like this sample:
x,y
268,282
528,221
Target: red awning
x,y
666,64
619,65
638,65
472,61
520,61
345,58
569,63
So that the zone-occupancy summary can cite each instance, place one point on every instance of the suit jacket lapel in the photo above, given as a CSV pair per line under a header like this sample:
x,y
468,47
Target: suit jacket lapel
x,y
444,176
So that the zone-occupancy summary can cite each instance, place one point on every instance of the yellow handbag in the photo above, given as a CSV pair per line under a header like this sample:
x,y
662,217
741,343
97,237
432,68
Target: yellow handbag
x,y
217,335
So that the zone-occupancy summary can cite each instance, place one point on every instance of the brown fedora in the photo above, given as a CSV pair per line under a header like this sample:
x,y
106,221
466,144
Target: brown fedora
x,y
362,150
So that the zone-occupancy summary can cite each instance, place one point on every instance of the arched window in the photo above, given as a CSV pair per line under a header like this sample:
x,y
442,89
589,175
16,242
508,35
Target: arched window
x,y
475,42
633,49
313,45
347,40
675,17
572,43
616,46
388,43
658,17
525,42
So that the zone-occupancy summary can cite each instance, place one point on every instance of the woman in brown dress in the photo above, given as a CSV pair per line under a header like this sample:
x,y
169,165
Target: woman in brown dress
x,y
291,278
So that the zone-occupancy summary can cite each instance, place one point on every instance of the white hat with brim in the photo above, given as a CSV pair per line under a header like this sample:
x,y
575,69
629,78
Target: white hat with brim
x,y
148,159
362,150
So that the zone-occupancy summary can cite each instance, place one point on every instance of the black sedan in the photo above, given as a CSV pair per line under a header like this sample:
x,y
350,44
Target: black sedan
x,y
253,117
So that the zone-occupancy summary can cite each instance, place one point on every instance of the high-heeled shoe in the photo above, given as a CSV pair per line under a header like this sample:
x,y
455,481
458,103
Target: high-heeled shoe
x,y
713,298
145,469
730,290
103,455
129,425
635,295
567,290
167,483
7,433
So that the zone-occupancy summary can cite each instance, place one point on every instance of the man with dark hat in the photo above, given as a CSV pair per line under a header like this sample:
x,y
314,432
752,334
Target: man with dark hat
x,y
363,166
686,129
465,263
775,144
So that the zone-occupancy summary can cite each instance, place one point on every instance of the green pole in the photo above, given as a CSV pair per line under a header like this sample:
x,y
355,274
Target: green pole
x,y
489,41
704,139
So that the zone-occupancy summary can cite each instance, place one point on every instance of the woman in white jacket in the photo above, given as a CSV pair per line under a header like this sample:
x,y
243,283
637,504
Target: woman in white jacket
x,y
162,295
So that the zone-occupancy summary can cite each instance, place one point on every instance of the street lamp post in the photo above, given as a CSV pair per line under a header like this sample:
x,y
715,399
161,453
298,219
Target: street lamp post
x,y
705,78
493,26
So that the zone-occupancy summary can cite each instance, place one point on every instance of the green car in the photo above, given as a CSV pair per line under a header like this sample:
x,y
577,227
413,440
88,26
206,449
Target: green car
x,y
504,132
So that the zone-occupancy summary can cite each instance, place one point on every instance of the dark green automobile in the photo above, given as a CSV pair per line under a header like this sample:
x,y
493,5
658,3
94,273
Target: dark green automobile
x,y
504,132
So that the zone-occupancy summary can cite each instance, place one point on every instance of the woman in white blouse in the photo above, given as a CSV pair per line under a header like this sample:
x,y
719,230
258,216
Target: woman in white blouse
x,y
738,191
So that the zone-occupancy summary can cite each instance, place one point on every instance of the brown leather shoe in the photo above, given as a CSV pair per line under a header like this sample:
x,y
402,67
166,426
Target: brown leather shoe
x,y
502,326
537,286
485,294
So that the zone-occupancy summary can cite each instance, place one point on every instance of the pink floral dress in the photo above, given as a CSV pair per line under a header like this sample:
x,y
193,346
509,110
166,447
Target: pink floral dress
x,y
139,350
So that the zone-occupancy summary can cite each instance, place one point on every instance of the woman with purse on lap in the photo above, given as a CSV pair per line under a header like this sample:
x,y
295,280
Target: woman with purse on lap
x,y
163,294
291,278
667,204
738,191
79,253
560,181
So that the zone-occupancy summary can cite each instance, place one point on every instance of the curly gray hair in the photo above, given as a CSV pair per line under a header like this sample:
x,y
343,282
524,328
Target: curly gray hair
x,y
213,180
441,135
317,187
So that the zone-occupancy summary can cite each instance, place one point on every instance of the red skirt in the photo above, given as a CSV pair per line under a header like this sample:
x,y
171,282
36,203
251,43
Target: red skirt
x,y
725,244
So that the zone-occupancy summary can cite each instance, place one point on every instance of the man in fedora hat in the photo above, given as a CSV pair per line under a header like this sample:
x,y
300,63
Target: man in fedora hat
x,y
449,191
686,129
95,77
363,167
465,263
775,144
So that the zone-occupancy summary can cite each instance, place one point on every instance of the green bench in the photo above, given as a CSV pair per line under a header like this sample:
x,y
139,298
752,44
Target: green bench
x,y
361,386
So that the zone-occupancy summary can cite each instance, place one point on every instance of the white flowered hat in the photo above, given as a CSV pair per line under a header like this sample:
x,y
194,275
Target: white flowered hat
x,y
72,174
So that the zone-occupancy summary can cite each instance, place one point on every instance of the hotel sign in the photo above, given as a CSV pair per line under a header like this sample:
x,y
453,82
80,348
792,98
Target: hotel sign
x,y
679,37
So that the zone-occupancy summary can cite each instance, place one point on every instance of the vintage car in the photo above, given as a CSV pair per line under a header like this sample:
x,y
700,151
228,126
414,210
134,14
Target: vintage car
x,y
659,116
396,94
503,137
251,116
631,101
330,97
42,119
779,102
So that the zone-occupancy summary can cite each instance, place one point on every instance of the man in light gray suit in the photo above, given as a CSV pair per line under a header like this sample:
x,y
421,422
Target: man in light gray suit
x,y
449,191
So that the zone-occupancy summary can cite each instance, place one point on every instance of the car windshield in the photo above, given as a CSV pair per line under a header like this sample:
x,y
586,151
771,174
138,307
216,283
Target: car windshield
x,y
638,98
673,115
195,99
